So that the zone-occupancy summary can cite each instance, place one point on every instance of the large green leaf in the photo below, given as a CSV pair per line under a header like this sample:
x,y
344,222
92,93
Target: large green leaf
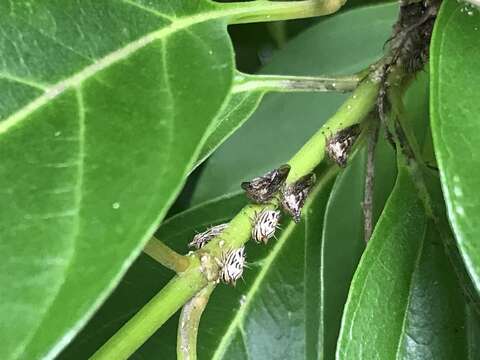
x,y
283,122
404,301
104,105
455,83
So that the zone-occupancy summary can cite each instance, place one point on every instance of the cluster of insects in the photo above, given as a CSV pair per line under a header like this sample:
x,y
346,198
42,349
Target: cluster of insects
x,y
410,48
263,190
232,261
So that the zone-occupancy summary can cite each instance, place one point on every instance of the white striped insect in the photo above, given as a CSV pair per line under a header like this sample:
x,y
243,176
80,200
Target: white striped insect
x,y
201,239
339,145
232,264
264,225
294,195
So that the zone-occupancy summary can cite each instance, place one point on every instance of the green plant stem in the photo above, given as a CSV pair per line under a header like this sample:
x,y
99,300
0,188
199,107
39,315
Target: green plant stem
x,y
278,83
166,256
259,11
179,290
353,111
189,322
152,316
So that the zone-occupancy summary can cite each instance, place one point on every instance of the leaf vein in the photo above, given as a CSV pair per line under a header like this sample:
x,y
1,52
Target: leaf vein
x,y
23,81
147,9
89,71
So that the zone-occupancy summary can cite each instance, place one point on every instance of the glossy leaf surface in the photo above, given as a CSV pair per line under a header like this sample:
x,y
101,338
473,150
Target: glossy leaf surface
x,y
455,83
404,302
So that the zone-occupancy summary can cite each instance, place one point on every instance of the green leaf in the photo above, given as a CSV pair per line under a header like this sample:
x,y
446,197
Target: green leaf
x,y
404,301
472,328
342,246
339,252
106,104
455,84
237,110
283,122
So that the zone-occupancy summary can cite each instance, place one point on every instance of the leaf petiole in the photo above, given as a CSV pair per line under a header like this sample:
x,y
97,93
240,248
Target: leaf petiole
x,y
153,315
259,11
189,321
166,256
279,83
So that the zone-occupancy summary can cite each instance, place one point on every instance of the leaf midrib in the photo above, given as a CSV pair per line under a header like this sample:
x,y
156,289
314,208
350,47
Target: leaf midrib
x,y
122,53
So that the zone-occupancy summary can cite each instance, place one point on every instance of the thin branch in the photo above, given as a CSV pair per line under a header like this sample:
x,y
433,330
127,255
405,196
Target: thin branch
x,y
278,83
166,256
260,11
152,316
189,322
369,180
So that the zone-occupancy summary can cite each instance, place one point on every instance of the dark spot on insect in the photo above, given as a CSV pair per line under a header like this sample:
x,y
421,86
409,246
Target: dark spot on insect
x,y
261,189
295,194
339,145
